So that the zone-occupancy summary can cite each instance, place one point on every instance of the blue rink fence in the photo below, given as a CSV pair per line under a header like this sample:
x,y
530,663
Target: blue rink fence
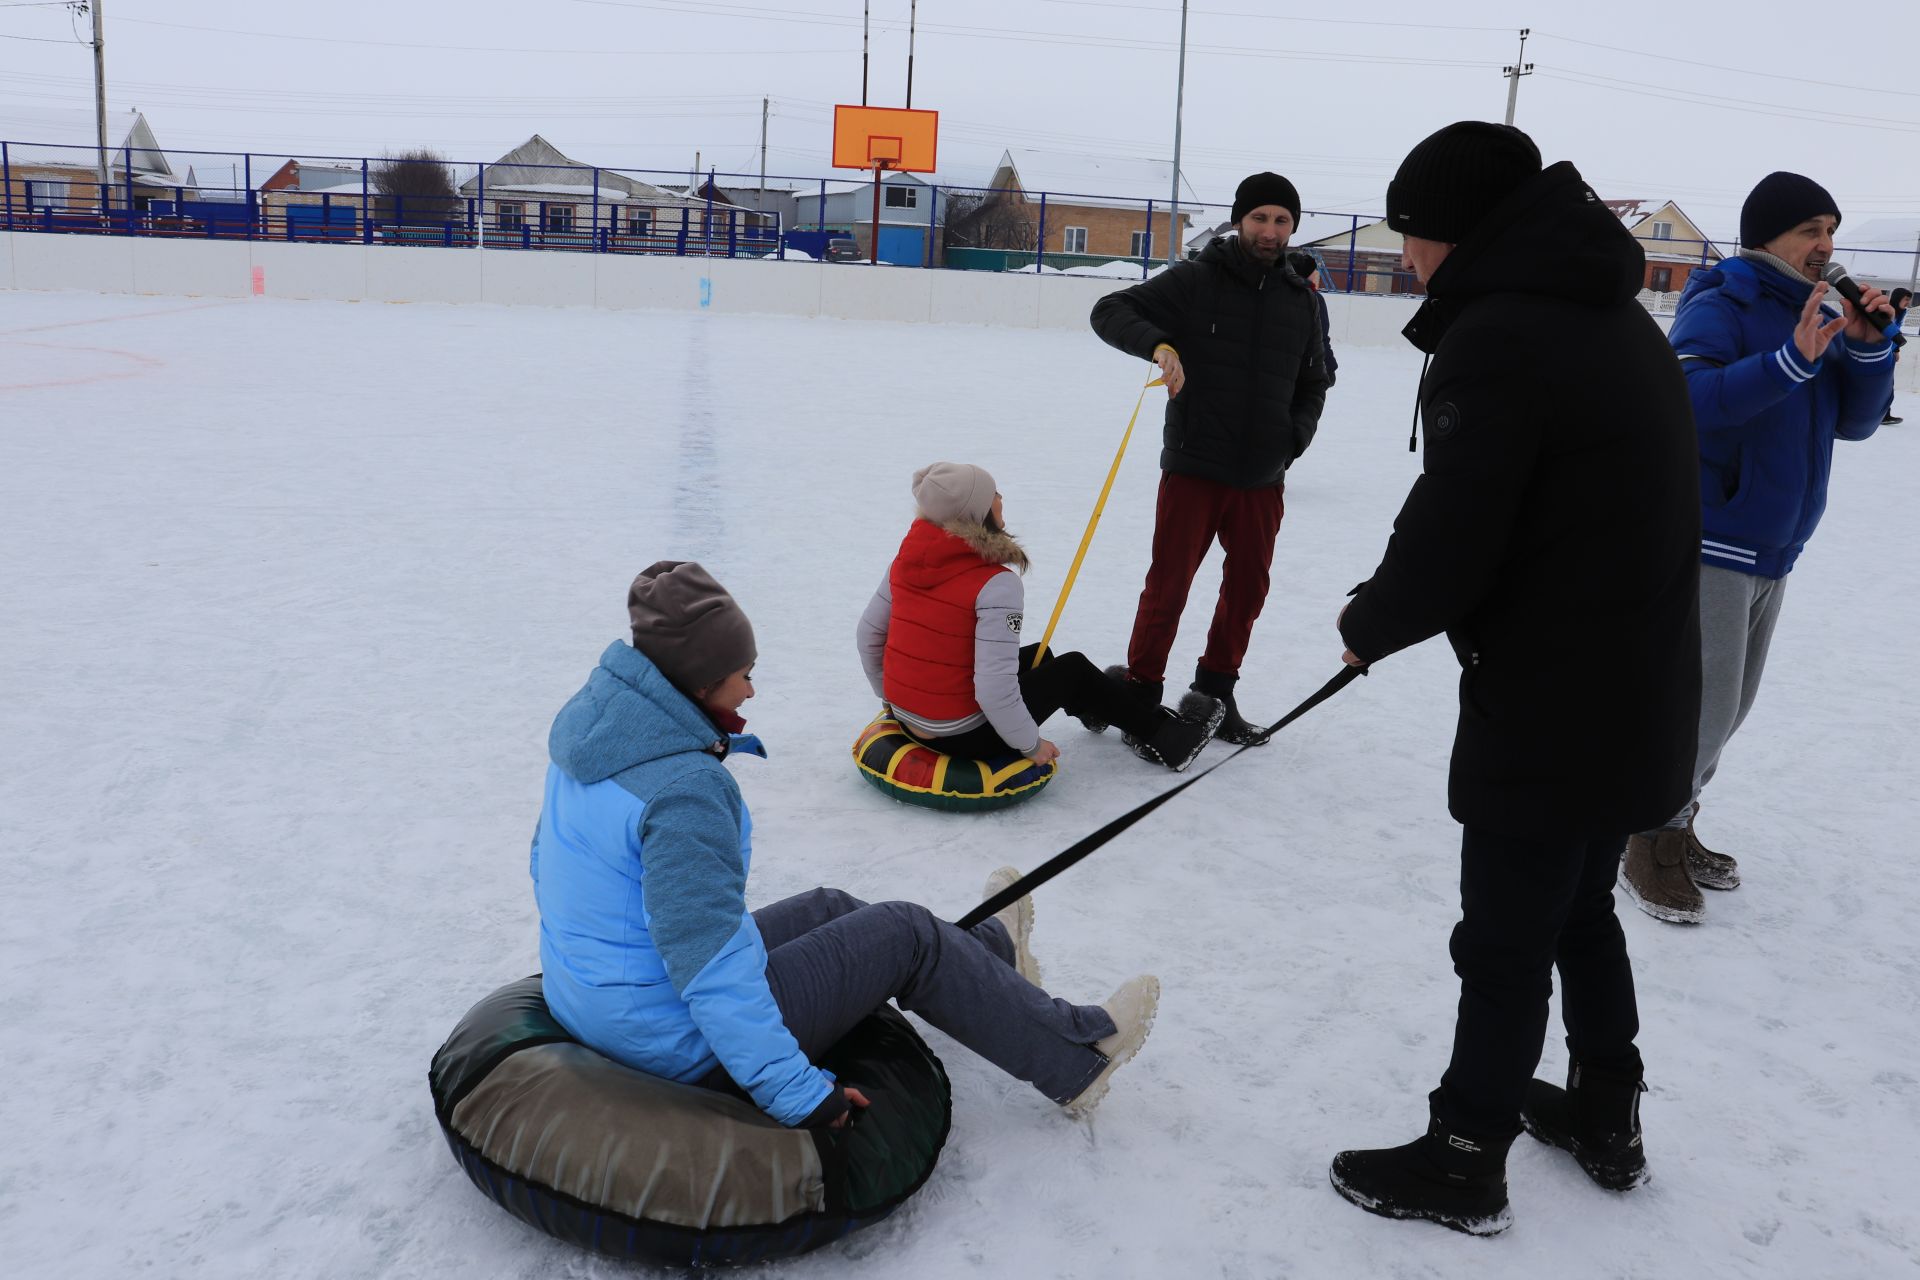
x,y
360,200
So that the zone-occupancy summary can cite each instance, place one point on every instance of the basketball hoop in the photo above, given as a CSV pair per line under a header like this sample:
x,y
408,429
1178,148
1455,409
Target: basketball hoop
x,y
884,140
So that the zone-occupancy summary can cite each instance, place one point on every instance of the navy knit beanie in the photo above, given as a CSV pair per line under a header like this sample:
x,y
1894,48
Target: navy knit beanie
x,y
1781,202
1455,175
1265,188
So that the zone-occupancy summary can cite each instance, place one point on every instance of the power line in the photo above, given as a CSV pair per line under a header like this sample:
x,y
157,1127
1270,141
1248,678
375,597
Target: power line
x,y
1273,17
473,48
38,39
1747,105
1019,35
1716,66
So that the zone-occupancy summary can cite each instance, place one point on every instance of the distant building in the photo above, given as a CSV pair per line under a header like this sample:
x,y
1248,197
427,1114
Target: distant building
x,y
1363,259
1089,208
539,195
52,156
1883,252
1674,245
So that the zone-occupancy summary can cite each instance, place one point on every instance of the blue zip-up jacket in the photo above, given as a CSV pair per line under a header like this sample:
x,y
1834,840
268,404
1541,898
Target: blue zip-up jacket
x,y
1767,420
639,867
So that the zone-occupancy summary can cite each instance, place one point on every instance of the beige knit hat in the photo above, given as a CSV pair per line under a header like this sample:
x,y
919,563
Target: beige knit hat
x,y
949,491
688,625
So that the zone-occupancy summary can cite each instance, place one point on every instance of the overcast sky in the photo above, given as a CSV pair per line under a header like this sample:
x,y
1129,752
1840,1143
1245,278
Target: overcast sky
x,y
1683,107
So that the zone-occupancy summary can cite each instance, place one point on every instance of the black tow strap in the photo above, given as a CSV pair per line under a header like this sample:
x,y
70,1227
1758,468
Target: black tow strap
x,y
1087,844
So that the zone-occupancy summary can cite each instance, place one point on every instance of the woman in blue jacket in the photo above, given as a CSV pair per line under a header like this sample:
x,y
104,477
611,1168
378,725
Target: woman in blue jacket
x,y
649,953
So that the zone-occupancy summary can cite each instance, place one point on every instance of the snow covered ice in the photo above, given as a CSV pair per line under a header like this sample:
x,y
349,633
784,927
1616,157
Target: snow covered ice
x,y
292,590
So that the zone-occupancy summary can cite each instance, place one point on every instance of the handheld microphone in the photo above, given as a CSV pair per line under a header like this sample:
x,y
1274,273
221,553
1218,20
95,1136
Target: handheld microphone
x,y
1844,284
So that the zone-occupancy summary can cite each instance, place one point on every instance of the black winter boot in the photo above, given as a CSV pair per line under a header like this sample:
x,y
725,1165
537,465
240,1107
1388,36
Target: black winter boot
x,y
1179,739
1150,692
1444,1177
1234,727
1596,1120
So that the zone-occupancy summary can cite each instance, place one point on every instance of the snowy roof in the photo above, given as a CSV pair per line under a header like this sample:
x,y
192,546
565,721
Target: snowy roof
x,y
1089,180
1884,249
579,191
69,136
538,166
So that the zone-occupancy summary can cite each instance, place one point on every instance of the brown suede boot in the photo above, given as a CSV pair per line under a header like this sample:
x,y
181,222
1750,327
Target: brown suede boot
x,y
1654,874
1710,870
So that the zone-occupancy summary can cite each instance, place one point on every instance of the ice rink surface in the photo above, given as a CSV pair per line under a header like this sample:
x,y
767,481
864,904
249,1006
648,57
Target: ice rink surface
x,y
291,592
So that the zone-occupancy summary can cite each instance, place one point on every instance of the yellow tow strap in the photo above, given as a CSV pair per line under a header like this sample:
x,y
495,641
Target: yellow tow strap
x,y
1093,522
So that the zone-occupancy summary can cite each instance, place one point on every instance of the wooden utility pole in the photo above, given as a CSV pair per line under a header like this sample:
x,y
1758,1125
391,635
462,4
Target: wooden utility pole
x,y
100,100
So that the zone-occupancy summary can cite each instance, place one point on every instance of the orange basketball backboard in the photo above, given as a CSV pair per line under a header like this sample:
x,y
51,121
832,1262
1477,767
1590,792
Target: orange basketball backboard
x,y
892,138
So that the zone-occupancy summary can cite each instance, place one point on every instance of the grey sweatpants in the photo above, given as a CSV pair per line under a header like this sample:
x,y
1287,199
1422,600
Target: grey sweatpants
x,y
1737,615
833,959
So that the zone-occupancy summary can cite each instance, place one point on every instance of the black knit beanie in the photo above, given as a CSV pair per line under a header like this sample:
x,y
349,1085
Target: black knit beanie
x,y
1265,188
1781,202
1454,176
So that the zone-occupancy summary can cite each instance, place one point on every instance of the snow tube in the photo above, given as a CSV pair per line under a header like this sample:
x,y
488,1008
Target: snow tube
x,y
911,771
638,1167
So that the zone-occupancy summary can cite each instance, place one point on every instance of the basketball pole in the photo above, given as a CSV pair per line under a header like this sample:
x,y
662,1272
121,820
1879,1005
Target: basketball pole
x,y
1093,522
866,22
874,255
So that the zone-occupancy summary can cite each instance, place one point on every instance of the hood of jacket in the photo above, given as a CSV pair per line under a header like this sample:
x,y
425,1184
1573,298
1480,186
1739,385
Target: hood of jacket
x,y
1226,253
934,553
627,714
1550,238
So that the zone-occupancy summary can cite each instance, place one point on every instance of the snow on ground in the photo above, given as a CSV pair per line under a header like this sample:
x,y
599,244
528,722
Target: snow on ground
x,y
292,590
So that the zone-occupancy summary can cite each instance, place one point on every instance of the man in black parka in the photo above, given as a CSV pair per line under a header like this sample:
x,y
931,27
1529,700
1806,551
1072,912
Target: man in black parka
x,y
1553,536
1236,334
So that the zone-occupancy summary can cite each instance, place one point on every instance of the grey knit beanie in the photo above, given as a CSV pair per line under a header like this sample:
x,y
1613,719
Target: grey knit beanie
x,y
949,491
688,625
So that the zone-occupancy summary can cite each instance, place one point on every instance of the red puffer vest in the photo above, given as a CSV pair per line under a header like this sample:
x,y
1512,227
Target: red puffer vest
x,y
936,577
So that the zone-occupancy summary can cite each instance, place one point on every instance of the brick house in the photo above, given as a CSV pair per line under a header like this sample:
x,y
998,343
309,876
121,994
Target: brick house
x,y
1095,208
52,155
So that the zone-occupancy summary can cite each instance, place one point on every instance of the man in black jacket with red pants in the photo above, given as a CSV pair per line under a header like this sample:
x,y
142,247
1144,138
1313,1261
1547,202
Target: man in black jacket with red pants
x,y
1236,334
1553,536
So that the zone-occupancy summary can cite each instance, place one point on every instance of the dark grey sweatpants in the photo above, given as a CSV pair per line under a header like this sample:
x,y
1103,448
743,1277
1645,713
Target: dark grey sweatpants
x,y
833,959
1737,616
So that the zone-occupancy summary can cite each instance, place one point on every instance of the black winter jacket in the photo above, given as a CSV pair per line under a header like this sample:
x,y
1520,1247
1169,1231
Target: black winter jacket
x,y
1249,340
1554,532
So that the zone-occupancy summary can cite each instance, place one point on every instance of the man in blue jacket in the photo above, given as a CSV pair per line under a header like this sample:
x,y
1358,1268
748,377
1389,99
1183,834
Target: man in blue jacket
x,y
1775,379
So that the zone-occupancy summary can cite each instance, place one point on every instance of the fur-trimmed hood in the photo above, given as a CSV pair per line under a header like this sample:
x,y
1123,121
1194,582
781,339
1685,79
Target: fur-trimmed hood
x,y
995,546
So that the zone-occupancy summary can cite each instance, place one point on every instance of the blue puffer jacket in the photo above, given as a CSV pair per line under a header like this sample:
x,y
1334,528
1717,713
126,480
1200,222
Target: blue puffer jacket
x,y
1767,420
640,870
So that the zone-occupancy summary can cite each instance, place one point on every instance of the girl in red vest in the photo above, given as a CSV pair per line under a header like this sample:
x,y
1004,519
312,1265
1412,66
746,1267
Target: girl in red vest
x,y
940,641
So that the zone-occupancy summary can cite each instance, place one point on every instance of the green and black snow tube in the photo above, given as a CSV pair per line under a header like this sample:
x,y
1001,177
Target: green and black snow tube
x,y
634,1166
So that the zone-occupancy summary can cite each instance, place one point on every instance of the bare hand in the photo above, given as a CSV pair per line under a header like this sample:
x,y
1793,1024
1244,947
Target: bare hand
x,y
1170,371
1813,334
1352,661
1045,753
1859,328
855,1098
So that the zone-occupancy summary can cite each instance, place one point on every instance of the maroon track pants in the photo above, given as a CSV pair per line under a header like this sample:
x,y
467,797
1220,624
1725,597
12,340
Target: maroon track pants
x,y
1190,514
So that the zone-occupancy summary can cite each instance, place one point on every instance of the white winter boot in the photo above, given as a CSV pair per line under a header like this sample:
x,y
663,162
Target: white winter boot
x,y
1018,920
1132,1008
